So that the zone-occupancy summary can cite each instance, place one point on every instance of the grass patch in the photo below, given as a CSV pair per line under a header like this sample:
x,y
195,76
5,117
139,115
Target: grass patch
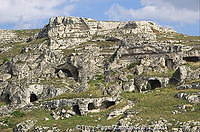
x,y
93,119
37,41
18,114
104,44
26,33
130,76
132,65
58,83
192,81
68,51
91,92
176,36
193,65
16,49
2,103
183,39
160,104
167,73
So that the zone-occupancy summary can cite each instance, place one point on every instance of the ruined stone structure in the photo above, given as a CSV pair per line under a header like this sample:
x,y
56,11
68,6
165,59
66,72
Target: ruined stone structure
x,y
100,61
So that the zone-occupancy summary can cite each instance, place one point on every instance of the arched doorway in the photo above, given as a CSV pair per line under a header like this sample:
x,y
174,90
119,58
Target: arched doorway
x,y
76,109
91,106
152,84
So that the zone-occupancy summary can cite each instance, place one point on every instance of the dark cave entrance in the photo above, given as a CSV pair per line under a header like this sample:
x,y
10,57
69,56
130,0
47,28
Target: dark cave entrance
x,y
106,104
169,63
7,98
91,106
76,109
69,70
33,97
192,58
152,84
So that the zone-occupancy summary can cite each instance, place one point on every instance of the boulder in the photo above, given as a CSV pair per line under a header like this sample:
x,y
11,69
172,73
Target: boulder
x,y
189,86
5,77
61,74
129,86
190,97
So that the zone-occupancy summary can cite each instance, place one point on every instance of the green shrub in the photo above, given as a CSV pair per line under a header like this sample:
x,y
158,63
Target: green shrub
x,y
6,59
132,65
18,114
8,122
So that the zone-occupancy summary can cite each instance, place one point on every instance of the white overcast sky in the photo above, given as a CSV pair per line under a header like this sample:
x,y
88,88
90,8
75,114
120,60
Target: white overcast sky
x,y
183,15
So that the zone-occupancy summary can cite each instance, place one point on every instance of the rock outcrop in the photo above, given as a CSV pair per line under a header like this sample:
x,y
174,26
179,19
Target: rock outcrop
x,y
77,66
190,97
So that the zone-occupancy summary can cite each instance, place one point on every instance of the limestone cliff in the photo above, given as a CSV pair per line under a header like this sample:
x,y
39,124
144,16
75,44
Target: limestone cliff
x,y
78,66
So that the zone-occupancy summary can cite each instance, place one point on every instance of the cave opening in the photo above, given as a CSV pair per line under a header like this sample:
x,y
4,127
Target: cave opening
x,y
106,104
192,58
33,97
152,84
7,98
76,109
91,106
69,70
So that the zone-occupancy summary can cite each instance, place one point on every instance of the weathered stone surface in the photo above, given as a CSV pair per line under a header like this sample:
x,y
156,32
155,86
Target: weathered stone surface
x,y
72,54
61,74
189,86
25,94
7,36
150,83
129,86
46,129
180,75
81,35
119,112
82,105
25,126
192,98
5,77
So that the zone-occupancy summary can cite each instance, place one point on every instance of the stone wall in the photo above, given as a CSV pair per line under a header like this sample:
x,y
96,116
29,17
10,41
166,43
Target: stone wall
x,y
82,103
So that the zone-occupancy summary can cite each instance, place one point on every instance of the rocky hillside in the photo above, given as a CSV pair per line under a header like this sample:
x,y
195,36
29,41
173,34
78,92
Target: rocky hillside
x,y
79,74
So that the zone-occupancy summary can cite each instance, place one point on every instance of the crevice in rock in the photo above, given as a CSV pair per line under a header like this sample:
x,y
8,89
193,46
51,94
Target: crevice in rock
x,y
169,63
192,58
7,99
